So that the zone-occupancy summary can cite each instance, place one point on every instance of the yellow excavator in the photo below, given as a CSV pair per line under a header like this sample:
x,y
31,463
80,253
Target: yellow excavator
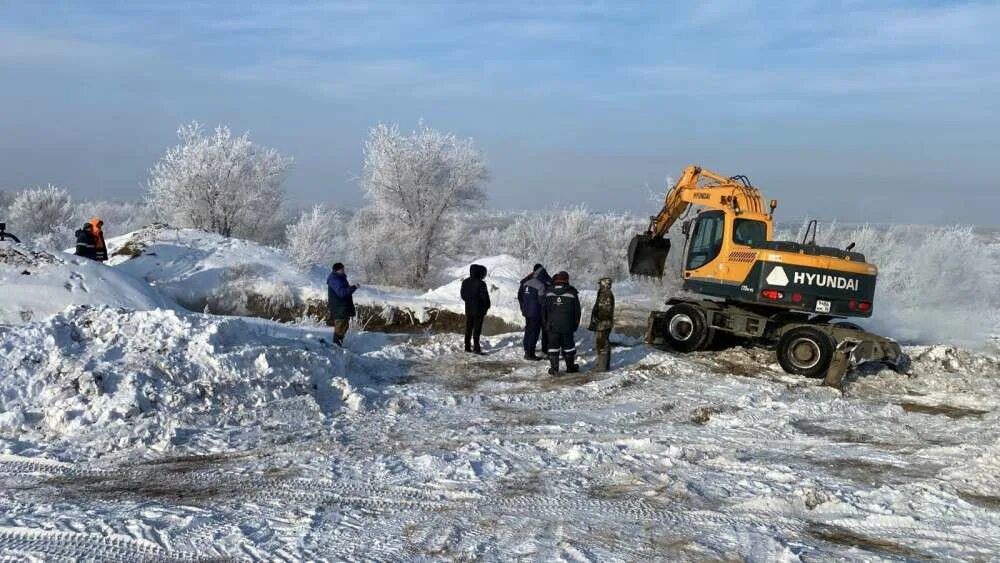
x,y
787,294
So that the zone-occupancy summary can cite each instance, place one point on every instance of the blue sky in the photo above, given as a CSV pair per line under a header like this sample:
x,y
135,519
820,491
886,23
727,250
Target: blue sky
x,y
876,111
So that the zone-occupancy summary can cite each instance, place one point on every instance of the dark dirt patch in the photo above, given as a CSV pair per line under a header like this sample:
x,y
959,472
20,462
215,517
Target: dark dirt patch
x,y
988,502
945,410
730,367
369,317
520,417
876,473
815,428
532,484
842,536
162,485
131,248
702,415
616,491
198,460
549,382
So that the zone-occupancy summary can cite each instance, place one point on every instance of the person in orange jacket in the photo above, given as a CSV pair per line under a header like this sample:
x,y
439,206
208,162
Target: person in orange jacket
x,y
90,240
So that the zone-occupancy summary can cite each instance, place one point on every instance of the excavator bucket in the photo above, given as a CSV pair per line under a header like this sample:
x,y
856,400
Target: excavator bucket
x,y
647,256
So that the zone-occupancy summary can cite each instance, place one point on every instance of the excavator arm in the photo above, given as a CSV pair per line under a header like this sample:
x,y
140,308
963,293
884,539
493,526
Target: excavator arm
x,y
648,251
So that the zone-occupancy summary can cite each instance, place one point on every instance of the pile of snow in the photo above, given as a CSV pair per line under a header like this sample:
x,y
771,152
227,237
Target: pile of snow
x,y
111,378
503,276
37,284
208,272
200,269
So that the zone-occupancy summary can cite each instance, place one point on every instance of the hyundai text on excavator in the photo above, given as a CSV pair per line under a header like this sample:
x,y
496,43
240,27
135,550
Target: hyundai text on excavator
x,y
773,292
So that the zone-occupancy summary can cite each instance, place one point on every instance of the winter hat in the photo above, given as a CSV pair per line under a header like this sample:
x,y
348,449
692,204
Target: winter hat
x,y
338,267
561,277
537,267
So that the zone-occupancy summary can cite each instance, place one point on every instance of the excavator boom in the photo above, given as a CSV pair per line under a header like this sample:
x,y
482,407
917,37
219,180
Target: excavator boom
x,y
647,253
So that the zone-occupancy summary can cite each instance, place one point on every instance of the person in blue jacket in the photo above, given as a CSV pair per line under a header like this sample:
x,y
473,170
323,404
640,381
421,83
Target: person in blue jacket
x,y
531,297
340,302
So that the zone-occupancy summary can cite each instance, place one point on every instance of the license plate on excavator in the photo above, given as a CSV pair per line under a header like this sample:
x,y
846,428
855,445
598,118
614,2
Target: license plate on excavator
x,y
822,306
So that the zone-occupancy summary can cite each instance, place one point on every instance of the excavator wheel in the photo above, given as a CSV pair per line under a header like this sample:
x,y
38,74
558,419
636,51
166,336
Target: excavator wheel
x,y
686,328
805,351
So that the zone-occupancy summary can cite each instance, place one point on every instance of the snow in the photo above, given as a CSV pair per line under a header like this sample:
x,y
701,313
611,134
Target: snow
x,y
134,431
503,277
37,284
183,433
196,267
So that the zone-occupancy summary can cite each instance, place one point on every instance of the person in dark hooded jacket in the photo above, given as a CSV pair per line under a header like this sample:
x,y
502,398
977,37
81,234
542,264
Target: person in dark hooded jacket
x,y
531,297
477,301
561,316
340,302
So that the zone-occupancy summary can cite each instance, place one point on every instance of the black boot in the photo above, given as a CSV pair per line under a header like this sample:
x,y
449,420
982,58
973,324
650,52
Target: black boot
x,y
571,366
553,364
530,355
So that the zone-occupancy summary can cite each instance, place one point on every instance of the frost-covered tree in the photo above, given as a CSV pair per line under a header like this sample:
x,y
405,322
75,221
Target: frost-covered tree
x,y
219,182
44,216
416,185
317,238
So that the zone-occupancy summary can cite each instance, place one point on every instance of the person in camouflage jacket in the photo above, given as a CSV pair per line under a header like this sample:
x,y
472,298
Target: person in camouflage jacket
x,y
602,320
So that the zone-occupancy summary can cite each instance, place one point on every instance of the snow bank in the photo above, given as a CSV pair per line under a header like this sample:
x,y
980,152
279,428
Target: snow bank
x,y
199,269
504,274
205,271
36,284
111,378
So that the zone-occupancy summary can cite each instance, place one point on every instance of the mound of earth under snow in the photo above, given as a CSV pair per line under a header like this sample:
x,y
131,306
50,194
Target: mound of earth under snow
x,y
35,284
205,270
110,378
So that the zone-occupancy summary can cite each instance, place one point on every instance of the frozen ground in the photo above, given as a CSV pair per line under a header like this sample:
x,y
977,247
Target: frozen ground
x,y
235,438
132,430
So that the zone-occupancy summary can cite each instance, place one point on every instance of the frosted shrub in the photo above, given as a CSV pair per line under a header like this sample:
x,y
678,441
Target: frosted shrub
x,y
221,183
415,185
317,238
935,284
43,216
588,245
6,198
560,239
119,217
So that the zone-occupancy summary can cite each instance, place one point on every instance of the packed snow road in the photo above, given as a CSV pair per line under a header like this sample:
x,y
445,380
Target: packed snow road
x,y
240,439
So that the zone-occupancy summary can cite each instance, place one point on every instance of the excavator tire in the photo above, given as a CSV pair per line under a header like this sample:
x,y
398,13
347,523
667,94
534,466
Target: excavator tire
x,y
686,328
806,351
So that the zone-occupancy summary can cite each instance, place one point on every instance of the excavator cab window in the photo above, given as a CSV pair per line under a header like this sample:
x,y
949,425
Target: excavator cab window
x,y
749,232
706,242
